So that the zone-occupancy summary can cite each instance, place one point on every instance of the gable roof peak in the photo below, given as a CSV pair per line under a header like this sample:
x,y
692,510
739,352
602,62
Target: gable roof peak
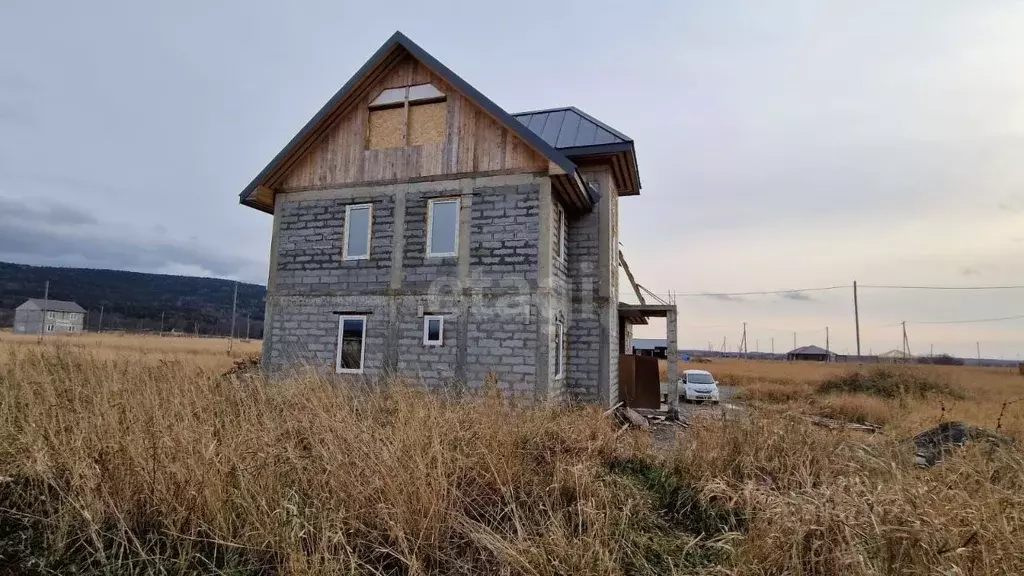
x,y
380,58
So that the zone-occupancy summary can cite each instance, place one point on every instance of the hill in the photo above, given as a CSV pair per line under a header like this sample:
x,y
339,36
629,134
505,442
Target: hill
x,y
134,300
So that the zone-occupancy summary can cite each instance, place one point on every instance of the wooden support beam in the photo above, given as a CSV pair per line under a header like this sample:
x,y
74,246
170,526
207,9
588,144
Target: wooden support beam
x,y
632,280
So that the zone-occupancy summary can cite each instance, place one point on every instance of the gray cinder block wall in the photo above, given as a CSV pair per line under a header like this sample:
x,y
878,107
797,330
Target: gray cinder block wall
x,y
500,296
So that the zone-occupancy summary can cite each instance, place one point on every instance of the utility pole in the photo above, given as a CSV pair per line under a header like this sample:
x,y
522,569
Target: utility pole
x,y
978,346
773,345
931,350
827,354
43,312
856,316
794,340
161,323
246,326
906,343
757,345
743,343
99,327
234,304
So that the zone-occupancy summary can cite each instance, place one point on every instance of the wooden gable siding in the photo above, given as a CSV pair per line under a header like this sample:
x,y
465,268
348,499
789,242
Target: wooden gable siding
x,y
474,142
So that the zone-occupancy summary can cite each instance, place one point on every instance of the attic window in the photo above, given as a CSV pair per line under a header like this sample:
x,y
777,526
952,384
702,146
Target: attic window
x,y
407,116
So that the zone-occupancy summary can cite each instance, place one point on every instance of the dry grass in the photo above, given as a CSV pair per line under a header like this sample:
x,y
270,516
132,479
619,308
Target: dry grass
x,y
208,352
148,461
972,394
855,408
128,466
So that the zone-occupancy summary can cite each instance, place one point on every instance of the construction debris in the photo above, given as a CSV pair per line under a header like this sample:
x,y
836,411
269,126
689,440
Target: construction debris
x,y
838,424
245,366
642,418
931,446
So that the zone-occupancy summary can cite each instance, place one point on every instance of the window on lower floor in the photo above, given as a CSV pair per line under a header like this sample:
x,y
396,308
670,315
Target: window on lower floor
x,y
71,328
49,327
433,330
351,344
559,350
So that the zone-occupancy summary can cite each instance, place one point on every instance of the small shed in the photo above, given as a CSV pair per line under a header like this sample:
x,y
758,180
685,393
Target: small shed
x,y
810,354
38,316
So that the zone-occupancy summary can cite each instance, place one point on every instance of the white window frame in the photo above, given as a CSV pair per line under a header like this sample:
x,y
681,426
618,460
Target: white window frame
x,y
50,315
559,350
362,350
426,332
430,226
49,327
369,233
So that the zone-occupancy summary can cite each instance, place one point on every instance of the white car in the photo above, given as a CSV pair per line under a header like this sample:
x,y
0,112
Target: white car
x,y
698,385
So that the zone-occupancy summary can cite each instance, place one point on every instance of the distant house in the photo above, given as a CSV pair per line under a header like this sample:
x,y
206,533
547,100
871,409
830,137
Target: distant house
x,y
657,347
37,316
895,357
811,354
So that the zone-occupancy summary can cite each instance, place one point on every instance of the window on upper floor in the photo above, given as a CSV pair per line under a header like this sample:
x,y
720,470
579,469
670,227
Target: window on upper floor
x,y
443,227
358,224
407,116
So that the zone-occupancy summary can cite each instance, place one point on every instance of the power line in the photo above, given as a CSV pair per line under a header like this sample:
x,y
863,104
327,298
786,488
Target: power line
x,y
838,287
760,292
973,321
893,287
1018,317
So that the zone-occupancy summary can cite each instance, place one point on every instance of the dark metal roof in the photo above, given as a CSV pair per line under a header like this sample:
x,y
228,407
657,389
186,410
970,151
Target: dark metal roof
x,y
570,127
53,305
580,136
809,350
400,40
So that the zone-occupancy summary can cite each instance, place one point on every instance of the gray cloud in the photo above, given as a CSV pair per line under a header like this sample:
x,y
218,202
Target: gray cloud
x,y
722,297
44,212
798,296
64,236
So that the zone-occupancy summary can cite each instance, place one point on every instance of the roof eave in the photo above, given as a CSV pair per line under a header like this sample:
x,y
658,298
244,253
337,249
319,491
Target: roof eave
x,y
624,151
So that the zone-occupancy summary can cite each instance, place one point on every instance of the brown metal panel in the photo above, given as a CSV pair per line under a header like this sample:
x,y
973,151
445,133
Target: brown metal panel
x,y
627,378
647,387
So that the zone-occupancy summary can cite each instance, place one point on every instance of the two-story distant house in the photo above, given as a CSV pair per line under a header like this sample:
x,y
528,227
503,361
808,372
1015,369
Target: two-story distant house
x,y
40,316
422,230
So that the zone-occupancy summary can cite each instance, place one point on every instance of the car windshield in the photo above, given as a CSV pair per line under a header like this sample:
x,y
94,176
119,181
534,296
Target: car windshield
x,y
700,379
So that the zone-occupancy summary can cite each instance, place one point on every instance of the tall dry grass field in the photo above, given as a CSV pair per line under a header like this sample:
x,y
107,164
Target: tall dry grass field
x,y
209,352
149,460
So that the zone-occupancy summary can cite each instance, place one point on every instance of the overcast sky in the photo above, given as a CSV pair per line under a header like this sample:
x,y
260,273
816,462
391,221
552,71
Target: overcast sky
x,y
781,144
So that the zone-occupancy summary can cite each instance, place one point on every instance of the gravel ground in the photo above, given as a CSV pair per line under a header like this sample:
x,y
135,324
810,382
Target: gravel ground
x,y
665,437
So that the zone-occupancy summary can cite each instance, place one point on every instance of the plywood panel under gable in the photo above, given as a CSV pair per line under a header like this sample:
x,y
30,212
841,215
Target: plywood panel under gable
x,y
472,142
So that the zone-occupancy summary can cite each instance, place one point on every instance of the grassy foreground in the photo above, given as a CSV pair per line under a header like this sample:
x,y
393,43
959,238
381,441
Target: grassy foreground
x,y
127,463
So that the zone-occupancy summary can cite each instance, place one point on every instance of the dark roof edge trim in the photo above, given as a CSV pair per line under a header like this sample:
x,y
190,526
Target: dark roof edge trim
x,y
598,149
399,39
321,115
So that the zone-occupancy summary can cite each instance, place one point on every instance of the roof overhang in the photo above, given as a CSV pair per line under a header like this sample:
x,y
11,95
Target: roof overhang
x,y
621,156
639,313
396,48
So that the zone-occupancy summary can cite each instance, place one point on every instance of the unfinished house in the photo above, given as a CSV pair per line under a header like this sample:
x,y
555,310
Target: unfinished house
x,y
420,229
